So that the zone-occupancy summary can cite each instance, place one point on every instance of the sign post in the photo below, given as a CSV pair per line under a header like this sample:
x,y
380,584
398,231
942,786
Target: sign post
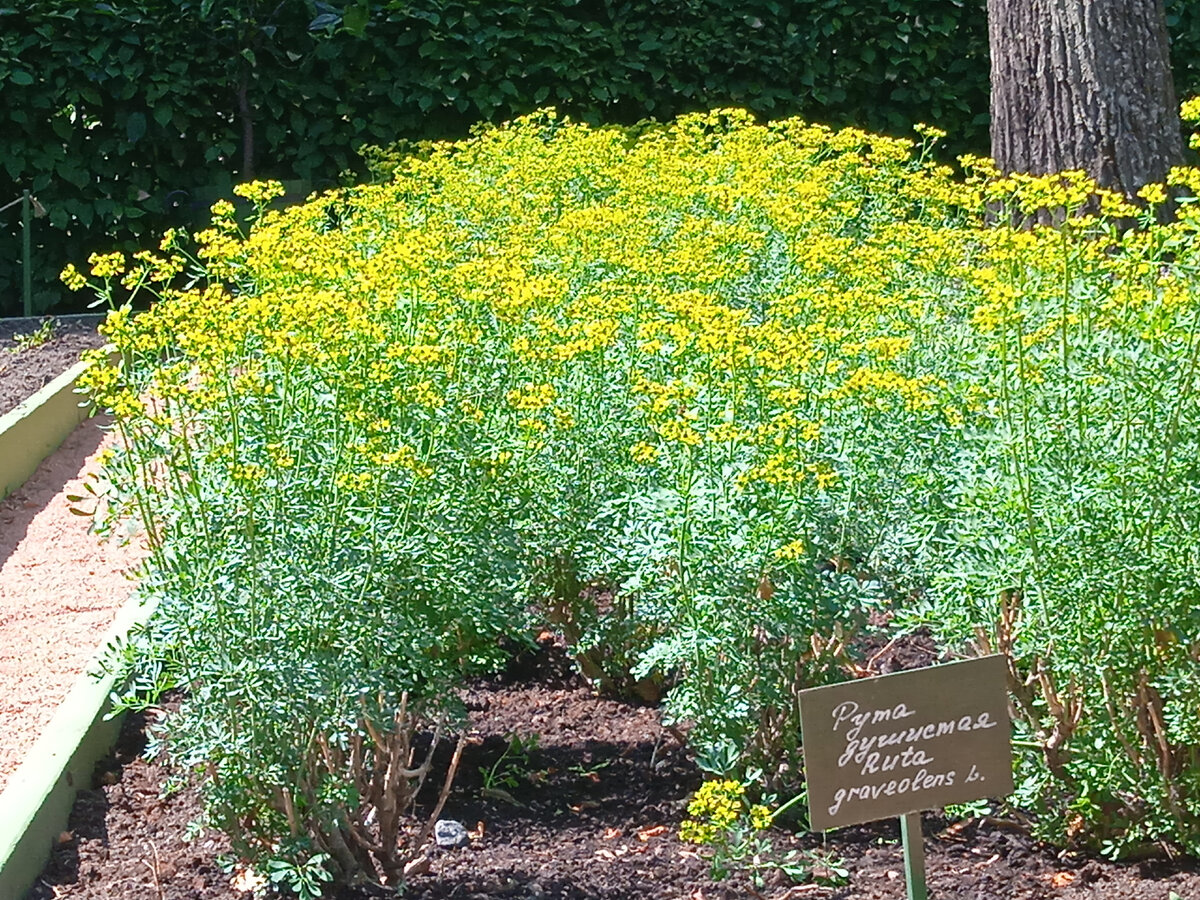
x,y
898,744
914,855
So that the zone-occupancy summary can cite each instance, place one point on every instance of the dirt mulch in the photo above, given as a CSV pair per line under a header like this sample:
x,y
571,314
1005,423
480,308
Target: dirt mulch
x,y
26,365
594,814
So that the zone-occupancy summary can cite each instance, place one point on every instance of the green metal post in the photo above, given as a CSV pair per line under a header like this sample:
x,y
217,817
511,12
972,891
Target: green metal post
x,y
26,256
914,856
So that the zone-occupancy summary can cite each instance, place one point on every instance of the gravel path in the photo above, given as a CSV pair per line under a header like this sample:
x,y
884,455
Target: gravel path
x,y
59,591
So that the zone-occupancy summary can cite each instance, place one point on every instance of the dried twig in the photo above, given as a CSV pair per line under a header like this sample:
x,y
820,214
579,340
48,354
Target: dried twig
x,y
154,870
879,653
427,829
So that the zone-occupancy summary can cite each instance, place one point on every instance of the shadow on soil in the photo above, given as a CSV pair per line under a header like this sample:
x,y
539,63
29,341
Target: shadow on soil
x,y
19,508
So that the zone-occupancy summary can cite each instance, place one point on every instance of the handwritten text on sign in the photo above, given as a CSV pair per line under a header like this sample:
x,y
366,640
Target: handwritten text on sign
x,y
922,739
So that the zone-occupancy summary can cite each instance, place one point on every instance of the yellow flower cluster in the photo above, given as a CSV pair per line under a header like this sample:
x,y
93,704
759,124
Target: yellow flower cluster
x,y
531,396
259,191
716,808
739,299
107,265
792,550
73,278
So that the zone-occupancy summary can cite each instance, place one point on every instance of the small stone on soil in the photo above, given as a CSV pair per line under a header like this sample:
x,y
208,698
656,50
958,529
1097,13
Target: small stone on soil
x,y
449,833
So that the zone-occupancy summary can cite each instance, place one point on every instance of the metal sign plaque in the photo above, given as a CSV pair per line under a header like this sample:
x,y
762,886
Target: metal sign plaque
x,y
921,739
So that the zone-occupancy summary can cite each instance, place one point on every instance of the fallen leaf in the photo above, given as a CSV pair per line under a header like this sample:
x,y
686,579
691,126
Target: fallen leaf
x,y
955,831
477,833
610,833
766,590
65,837
247,881
1061,879
651,831
585,804
1076,827
612,854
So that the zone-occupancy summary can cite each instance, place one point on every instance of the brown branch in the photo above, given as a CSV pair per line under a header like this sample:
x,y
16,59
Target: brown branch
x,y
427,829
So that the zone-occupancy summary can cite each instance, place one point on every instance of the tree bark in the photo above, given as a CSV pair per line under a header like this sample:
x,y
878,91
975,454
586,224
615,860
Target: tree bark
x,y
246,114
1083,84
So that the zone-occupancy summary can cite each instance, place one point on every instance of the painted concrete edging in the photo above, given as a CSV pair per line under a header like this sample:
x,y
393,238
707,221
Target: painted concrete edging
x,y
35,429
37,801
35,805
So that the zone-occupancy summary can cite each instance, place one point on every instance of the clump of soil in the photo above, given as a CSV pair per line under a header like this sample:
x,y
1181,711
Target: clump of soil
x,y
882,653
587,807
32,354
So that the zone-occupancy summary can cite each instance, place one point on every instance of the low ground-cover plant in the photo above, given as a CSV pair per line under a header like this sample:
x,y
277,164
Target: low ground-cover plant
x,y
43,334
732,831
746,382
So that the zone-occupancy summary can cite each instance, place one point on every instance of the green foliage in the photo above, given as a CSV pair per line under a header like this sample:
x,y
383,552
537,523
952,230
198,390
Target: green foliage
x,y
384,421
1076,512
512,766
735,837
751,382
125,119
1183,24
43,334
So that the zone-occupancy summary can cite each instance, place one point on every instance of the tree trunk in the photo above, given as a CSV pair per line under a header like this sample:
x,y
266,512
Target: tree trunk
x,y
246,114
1083,84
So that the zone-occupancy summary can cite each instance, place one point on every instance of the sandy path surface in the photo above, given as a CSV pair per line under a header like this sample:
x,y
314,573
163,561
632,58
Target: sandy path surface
x,y
59,591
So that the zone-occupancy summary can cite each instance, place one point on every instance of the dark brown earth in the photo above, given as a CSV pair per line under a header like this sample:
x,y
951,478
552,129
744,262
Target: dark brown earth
x,y
27,363
596,811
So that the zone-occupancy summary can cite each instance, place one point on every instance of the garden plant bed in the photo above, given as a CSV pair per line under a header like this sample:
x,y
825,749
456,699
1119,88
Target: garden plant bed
x,y
703,400
596,811
26,366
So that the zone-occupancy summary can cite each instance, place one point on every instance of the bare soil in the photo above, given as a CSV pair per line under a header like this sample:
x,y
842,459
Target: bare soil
x,y
26,364
595,814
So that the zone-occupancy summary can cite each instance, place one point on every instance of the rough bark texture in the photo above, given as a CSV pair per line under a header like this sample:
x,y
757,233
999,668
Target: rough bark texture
x,y
247,116
1083,84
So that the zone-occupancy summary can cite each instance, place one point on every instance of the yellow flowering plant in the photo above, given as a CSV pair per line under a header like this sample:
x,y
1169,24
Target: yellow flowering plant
x,y
734,833
705,395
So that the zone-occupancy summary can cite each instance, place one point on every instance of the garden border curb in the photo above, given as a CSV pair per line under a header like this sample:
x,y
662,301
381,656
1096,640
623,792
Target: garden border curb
x,y
37,426
38,799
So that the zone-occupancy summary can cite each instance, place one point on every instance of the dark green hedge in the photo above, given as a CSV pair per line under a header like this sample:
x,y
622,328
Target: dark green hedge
x,y
128,116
